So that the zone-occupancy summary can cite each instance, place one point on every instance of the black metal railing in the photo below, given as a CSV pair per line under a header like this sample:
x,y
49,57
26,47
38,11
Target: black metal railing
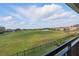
x,y
70,48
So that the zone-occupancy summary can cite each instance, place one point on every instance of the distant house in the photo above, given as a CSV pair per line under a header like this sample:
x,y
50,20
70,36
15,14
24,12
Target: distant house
x,y
10,30
60,28
69,28
45,30
74,27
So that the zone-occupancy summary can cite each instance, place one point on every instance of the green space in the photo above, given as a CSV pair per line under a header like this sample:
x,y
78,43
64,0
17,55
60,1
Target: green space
x,y
31,42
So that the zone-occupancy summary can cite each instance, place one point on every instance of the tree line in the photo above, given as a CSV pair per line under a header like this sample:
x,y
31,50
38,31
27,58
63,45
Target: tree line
x,y
2,30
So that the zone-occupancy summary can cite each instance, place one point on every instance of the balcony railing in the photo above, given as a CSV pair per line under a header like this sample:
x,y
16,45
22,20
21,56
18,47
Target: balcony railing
x,y
70,48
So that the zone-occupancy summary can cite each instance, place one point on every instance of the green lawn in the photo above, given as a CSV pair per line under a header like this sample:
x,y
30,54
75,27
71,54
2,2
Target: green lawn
x,y
35,42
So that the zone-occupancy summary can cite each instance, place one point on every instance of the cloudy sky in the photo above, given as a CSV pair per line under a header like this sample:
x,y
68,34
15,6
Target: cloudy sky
x,y
38,15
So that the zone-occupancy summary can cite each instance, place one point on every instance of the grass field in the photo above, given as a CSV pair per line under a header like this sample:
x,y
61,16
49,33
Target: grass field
x,y
35,42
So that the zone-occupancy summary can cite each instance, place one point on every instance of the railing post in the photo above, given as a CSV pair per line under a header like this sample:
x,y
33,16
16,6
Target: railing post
x,y
24,52
17,54
69,49
65,54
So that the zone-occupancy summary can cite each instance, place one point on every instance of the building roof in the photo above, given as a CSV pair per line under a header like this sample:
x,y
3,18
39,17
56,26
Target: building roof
x,y
74,6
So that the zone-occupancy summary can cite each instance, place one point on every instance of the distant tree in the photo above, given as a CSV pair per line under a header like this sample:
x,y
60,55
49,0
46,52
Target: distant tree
x,y
2,30
17,29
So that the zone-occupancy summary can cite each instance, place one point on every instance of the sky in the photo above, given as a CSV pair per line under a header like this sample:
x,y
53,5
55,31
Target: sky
x,y
36,15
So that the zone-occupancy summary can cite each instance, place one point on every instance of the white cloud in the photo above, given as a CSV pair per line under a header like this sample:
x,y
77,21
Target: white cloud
x,y
6,18
34,15
21,23
62,15
34,12
45,12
